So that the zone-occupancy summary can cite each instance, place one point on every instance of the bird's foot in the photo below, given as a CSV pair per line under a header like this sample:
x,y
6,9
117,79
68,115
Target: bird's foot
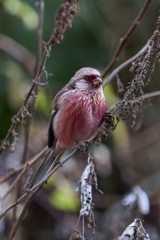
x,y
83,146
108,118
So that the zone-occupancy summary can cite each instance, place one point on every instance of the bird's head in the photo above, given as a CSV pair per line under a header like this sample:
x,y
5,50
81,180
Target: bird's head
x,y
87,78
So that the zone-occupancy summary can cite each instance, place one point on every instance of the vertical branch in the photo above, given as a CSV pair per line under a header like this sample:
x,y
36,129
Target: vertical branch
x,y
39,35
38,56
40,6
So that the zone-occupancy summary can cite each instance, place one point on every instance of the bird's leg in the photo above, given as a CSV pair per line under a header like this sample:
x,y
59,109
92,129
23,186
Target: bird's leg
x,y
83,146
107,125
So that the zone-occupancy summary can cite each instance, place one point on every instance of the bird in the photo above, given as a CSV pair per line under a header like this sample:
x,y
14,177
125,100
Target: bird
x,y
78,110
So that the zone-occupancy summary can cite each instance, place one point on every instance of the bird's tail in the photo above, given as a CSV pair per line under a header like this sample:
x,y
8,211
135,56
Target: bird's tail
x,y
43,169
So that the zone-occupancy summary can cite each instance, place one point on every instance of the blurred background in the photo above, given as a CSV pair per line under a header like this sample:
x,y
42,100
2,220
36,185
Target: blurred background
x,y
129,157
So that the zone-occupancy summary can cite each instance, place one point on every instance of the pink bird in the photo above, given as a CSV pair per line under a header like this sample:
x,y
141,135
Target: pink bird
x,y
78,110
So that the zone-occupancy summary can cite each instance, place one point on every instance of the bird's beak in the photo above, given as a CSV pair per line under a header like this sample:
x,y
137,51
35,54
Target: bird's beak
x,y
97,82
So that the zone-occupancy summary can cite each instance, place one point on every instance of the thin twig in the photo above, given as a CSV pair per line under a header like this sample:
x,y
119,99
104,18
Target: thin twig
x,y
15,182
39,35
125,38
124,64
38,56
27,166
30,163
83,226
15,119
150,95
14,204
58,165
114,108
18,221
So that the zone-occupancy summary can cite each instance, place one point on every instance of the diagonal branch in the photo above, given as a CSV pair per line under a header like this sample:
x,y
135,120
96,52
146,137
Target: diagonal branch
x,y
24,168
125,38
37,62
124,64
31,162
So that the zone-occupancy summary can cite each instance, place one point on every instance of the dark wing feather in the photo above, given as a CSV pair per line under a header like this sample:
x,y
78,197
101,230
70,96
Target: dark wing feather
x,y
51,136
50,131
40,174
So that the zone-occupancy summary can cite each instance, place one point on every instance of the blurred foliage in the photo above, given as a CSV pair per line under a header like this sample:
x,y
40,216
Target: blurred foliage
x,y
22,10
91,42
65,198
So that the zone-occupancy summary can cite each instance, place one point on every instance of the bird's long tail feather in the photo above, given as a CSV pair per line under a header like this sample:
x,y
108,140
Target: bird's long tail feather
x,y
43,169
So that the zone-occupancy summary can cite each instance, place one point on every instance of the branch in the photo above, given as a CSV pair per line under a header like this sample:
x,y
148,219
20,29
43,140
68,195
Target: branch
x,y
39,35
19,201
151,95
123,65
125,38
56,166
114,108
20,218
25,168
37,61
31,162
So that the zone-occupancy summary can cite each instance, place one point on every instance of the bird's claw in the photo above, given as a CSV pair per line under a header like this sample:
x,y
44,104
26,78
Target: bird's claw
x,y
83,146
109,119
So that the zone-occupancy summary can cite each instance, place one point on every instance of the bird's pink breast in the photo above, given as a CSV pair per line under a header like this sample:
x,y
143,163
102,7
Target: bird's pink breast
x,y
78,117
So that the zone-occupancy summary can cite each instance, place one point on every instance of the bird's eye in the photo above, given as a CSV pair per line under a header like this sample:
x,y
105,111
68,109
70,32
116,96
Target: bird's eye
x,y
86,77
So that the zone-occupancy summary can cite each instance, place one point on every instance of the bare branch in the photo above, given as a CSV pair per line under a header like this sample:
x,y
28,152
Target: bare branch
x,y
123,65
37,61
30,163
21,199
125,38
39,35
57,165
20,218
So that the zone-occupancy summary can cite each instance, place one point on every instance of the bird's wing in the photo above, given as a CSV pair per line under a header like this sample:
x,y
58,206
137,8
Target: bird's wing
x,y
51,136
